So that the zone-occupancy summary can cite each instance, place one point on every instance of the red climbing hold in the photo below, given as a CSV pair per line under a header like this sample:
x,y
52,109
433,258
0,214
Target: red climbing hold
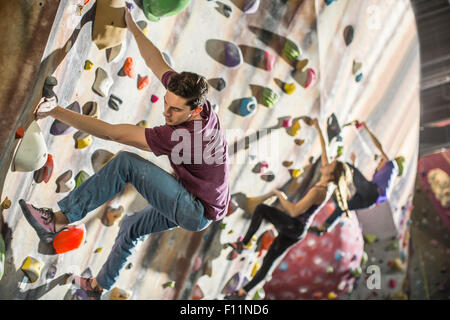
x,y
311,78
270,59
48,168
198,293
154,98
20,132
143,82
69,239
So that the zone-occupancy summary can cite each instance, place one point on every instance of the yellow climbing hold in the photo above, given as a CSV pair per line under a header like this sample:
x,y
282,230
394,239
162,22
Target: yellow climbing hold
x,y
84,142
249,245
32,268
370,238
143,124
295,128
255,269
170,284
289,88
397,265
332,295
88,65
299,142
6,204
98,250
296,173
301,65
231,231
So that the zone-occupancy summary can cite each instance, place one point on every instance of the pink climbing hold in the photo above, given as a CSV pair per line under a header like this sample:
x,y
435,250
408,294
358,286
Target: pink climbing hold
x,y
264,167
270,59
287,122
311,78
197,263
392,283
154,98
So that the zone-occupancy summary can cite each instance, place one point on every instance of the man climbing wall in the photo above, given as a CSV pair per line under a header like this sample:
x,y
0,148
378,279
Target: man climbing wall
x,y
195,195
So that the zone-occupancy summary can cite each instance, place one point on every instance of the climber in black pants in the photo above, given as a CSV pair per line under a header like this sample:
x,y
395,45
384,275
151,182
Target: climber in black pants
x,y
294,220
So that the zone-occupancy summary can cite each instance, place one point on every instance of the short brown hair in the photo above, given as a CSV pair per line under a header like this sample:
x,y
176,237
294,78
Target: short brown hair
x,y
190,86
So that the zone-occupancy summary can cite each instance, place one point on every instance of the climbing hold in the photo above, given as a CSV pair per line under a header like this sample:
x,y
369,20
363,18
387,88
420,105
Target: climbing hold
x,y
45,173
168,59
215,108
364,258
115,53
51,272
328,2
47,90
300,66
296,173
143,25
263,167
287,164
265,241
170,284
70,238
129,266
111,215
109,28
65,182
270,60
370,238
59,127
250,6
317,295
397,265
356,67
80,178
295,128
340,150
130,6
227,10
98,250
359,77
6,203
392,283
255,269
393,246
269,97
233,55
223,226
119,294
31,153
284,266
128,68
330,269
88,65
248,106
291,50
259,294
299,142
32,268
154,98
287,122
19,133
332,295
143,82
356,272
289,88
310,78
154,10
91,109
99,158
102,82
348,35
82,140
233,284
197,293
338,255
143,124
114,102
217,83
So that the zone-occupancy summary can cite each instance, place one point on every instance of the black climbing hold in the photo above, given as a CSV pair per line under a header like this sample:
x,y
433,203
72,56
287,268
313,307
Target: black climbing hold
x,y
348,35
217,83
113,105
47,90
116,98
333,128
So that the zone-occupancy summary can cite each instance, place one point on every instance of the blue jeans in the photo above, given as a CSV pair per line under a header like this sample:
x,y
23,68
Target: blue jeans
x,y
171,206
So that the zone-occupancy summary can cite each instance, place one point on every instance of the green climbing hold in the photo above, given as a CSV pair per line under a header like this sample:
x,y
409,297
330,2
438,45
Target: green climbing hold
x,y
2,256
370,238
393,246
270,97
291,50
259,294
356,272
156,9
80,178
170,284
364,258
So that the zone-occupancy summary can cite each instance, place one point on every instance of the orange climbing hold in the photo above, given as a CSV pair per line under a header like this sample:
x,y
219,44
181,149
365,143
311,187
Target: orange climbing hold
x,y
143,82
20,132
69,239
128,68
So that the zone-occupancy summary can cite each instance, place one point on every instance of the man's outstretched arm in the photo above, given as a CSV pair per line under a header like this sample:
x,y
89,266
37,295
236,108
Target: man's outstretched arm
x,y
150,53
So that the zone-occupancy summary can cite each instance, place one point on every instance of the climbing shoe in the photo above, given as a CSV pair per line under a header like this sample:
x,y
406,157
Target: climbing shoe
x,y
41,219
85,284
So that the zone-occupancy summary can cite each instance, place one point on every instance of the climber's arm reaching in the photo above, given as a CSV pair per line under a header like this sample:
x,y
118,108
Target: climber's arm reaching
x,y
376,142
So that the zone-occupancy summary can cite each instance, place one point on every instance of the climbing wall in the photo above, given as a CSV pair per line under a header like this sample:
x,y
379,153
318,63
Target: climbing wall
x,y
386,97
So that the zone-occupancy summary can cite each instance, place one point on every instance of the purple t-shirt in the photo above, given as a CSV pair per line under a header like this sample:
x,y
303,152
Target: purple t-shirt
x,y
198,154
384,179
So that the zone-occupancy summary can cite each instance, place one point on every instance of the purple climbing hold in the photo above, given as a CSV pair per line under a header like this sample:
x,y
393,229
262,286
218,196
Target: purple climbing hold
x,y
129,5
60,128
233,284
233,55
250,6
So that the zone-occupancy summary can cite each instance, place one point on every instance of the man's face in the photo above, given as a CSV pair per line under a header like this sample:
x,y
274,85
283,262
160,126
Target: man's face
x,y
175,109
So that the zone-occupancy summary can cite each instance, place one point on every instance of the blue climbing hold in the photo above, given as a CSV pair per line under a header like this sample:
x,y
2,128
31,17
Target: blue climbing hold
x,y
338,255
284,266
359,77
248,106
328,2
